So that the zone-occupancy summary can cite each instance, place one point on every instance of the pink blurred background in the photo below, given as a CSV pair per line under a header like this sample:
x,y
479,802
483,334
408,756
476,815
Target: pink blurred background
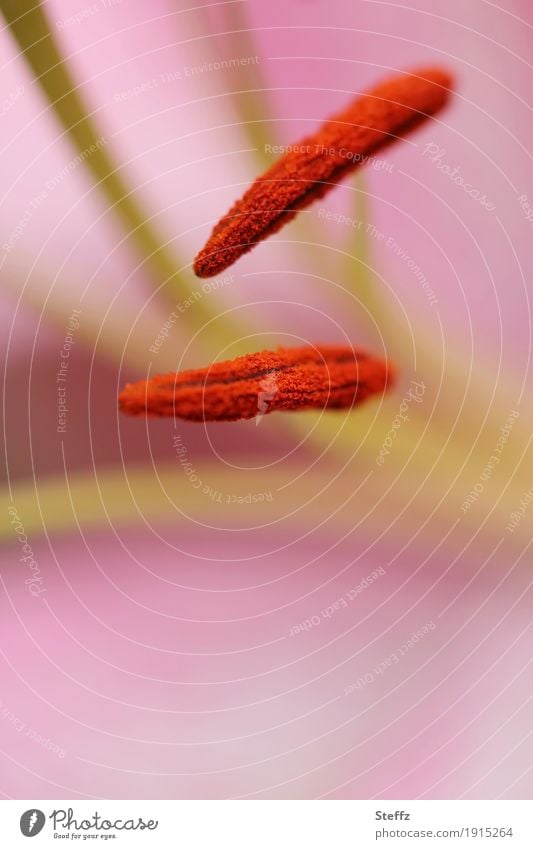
x,y
163,657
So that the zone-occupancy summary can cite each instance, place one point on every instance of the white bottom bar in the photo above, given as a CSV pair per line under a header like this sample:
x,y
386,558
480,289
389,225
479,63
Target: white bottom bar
x,y
268,824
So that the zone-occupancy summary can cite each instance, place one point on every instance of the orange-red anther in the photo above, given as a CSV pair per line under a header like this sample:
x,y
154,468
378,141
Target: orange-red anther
x,y
312,167
285,379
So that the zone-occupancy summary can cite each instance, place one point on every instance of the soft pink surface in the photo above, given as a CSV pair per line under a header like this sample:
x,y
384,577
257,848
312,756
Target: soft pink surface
x,y
162,674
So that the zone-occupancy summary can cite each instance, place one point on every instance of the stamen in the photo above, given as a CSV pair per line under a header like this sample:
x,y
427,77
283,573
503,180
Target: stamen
x,y
297,378
315,165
